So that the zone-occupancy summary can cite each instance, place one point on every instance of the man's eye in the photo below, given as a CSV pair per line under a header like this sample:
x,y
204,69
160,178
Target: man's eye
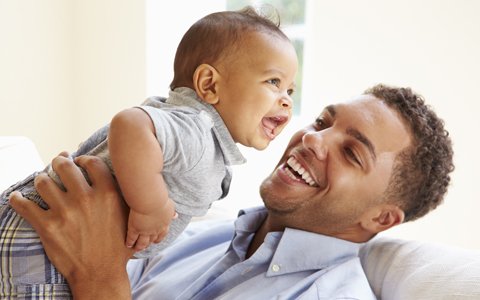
x,y
320,123
352,156
274,81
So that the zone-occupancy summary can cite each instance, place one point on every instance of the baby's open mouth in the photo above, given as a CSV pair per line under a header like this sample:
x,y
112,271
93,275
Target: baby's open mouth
x,y
271,123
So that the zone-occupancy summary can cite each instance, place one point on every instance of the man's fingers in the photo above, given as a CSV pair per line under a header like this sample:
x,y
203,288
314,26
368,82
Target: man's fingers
x,y
47,188
64,154
102,180
70,175
97,171
29,210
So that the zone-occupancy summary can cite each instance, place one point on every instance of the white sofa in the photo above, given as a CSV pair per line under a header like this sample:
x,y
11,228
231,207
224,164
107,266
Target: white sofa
x,y
397,269
402,270
18,158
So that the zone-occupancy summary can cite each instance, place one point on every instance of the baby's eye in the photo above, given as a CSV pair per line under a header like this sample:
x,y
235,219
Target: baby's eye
x,y
274,81
290,92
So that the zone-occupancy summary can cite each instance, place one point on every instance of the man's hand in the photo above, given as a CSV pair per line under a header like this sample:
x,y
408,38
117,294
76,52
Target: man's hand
x,y
83,232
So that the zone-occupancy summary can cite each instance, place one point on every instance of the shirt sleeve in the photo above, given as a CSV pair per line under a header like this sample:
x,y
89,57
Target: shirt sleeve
x,y
181,135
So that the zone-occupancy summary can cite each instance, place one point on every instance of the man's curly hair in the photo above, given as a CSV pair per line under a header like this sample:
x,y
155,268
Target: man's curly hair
x,y
421,173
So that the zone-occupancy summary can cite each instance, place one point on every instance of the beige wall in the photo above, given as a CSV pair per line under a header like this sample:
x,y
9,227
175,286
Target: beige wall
x,y
67,67
36,72
110,60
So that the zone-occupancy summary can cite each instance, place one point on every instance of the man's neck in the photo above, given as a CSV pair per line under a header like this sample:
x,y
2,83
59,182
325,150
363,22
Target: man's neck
x,y
266,227
271,224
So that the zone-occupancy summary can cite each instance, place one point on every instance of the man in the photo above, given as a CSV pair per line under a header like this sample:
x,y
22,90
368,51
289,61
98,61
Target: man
x,y
361,168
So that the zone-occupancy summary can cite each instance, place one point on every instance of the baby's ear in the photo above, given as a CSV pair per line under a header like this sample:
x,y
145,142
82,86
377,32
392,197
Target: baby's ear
x,y
205,80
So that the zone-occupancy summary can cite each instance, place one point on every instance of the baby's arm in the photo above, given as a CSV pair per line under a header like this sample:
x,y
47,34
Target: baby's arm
x,y
137,160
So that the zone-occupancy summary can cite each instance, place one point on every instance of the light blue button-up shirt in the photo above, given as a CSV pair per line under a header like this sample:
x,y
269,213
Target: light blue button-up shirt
x,y
210,264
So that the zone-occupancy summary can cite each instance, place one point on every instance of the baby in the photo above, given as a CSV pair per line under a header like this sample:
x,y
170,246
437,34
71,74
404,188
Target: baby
x,y
233,79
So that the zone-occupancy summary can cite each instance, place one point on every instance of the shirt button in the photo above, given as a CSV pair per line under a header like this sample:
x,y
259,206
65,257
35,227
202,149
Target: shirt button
x,y
275,268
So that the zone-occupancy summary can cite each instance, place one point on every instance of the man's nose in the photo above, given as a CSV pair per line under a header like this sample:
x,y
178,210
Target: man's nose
x,y
315,142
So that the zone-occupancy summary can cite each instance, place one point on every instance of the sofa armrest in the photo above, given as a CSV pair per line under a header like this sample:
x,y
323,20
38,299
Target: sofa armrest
x,y
400,269
18,158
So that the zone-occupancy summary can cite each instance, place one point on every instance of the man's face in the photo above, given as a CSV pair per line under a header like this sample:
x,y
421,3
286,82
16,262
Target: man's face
x,y
336,169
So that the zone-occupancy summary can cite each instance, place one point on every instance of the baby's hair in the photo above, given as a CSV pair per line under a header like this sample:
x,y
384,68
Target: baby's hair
x,y
214,36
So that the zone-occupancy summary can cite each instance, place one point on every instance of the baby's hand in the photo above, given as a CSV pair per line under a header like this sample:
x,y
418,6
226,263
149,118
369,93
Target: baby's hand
x,y
150,227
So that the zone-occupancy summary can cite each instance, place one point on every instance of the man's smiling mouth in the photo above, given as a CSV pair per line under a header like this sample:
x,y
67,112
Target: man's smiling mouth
x,y
297,172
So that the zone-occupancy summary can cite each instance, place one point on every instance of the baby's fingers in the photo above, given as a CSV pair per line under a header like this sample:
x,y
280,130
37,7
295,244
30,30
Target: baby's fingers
x,y
157,239
142,242
131,239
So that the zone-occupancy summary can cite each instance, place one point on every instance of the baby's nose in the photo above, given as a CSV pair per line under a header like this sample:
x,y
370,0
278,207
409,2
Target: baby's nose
x,y
286,102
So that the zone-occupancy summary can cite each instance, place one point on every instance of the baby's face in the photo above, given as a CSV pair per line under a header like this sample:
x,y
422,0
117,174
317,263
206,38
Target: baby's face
x,y
255,88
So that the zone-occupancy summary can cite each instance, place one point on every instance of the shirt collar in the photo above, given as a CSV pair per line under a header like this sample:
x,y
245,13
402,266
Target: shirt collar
x,y
297,250
188,97
250,219
300,250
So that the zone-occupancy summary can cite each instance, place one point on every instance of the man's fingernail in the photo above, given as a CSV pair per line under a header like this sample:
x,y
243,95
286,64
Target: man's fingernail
x,y
14,193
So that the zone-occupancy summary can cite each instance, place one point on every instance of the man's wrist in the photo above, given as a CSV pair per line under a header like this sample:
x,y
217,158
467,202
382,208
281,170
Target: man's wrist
x,y
115,285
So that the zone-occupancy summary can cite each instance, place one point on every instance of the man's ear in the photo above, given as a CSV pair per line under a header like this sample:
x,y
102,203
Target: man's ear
x,y
205,80
382,218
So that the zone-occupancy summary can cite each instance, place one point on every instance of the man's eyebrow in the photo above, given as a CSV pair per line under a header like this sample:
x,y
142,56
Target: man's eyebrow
x,y
355,133
364,140
331,110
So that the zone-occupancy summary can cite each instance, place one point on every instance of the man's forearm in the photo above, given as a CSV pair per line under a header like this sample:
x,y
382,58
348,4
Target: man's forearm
x,y
110,287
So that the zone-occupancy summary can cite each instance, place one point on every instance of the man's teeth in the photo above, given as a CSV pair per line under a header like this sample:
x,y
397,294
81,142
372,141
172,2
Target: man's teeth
x,y
293,163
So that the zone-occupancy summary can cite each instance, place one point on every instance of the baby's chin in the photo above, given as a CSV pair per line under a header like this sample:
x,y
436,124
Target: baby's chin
x,y
260,141
263,147
260,144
